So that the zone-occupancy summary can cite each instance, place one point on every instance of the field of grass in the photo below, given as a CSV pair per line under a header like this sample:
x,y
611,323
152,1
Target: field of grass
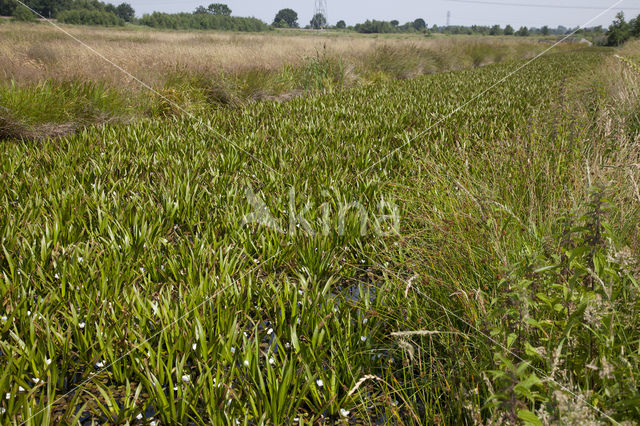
x,y
359,255
52,85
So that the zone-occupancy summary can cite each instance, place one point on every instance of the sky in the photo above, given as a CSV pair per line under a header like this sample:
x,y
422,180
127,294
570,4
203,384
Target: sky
x,y
570,13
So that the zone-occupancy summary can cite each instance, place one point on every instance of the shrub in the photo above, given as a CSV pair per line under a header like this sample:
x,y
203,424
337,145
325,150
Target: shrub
x,y
202,21
23,14
90,17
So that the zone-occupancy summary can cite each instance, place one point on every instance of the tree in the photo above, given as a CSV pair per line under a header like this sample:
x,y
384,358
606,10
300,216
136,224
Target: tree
x,y
495,30
318,21
125,12
419,24
508,30
200,10
523,32
21,13
395,23
545,30
635,27
341,25
288,17
619,31
219,9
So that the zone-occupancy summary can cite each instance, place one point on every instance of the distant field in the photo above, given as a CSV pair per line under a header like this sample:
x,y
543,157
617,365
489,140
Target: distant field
x,y
40,65
389,248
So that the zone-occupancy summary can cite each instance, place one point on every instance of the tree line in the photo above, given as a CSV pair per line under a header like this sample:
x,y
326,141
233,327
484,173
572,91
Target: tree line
x,y
217,16
89,12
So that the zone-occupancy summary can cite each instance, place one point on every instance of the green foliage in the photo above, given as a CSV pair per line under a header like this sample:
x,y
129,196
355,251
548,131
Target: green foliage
x,y
219,9
341,25
523,32
125,12
126,269
90,17
202,21
286,18
619,31
52,8
419,24
23,14
496,30
508,30
319,21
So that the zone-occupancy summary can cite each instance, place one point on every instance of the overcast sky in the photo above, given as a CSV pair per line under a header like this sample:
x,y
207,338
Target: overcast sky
x,y
569,13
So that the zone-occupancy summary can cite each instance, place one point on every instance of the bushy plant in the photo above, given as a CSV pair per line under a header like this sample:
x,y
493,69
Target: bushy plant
x,y
90,17
21,13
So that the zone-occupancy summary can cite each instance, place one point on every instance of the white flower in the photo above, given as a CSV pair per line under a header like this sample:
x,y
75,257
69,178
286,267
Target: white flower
x,y
8,395
186,379
81,325
272,361
270,331
246,362
363,338
80,259
3,410
28,313
4,318
194,346
364,321
20,389
153,423
56,276
298,321
47,361
36,380
233,350
175,388
344,413
287,345
320,383
139,416
100,364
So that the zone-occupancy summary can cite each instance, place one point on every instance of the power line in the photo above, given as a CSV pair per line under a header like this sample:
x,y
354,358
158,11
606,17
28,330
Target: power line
x,y
542,6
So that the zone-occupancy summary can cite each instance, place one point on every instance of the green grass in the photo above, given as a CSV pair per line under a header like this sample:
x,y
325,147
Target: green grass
x,y
131,286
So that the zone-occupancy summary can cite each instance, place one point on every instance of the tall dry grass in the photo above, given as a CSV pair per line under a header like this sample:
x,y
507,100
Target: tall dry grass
x,y
33,53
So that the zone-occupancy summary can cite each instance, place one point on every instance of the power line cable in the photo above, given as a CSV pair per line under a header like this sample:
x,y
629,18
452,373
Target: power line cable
x,y
542,6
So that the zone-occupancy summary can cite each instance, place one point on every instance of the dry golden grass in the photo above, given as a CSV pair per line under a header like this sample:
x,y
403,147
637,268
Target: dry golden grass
x,y
33,53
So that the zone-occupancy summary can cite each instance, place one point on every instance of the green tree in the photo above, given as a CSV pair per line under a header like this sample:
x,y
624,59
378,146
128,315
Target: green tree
x,y
495,30
544,30
523,32
319,21
508,30
287,16
219,9
395,23
7,7
419,24
21,13
619,31
635,27
341,24
125,12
